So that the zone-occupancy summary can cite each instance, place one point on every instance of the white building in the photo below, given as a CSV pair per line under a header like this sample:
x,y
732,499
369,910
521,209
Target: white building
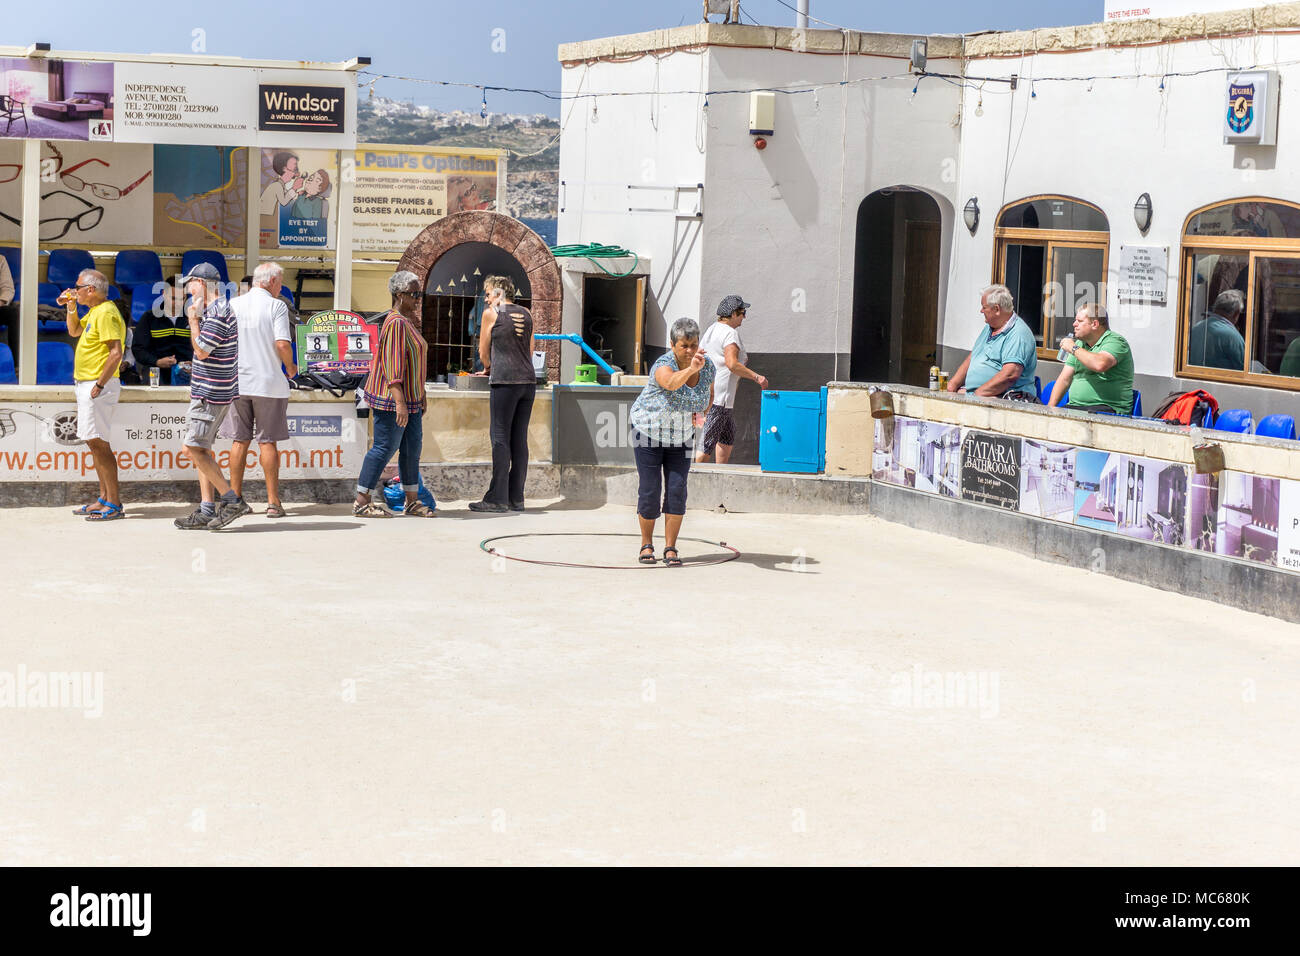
x,y
846,231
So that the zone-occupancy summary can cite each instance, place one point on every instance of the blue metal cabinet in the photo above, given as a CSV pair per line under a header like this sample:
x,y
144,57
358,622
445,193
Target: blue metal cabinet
x,y
792,432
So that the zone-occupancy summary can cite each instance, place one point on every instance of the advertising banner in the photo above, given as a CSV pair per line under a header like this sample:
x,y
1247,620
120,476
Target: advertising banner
x,y
297,198
90,193
224,106
199,196
1147,9
1288,552
38,443
57,99
400,190
990,469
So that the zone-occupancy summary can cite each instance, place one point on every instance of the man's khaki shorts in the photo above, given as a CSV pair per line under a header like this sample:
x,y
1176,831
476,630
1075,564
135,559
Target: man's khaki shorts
x,y
258,418
203,422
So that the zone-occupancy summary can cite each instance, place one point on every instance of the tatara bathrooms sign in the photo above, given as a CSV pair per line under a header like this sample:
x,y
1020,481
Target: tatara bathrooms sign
x,y
990,469
302,109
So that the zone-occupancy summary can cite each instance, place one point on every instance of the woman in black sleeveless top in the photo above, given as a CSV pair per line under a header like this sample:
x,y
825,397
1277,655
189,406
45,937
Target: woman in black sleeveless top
x,y
505,347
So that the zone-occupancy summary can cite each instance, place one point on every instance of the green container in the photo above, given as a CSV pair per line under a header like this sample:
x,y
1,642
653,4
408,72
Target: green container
x,y
584,375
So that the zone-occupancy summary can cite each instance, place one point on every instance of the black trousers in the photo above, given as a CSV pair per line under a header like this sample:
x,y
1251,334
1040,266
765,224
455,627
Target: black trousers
x,y
511,408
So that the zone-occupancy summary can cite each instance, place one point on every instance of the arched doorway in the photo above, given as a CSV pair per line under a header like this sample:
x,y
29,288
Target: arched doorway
x,y
490,243
897,279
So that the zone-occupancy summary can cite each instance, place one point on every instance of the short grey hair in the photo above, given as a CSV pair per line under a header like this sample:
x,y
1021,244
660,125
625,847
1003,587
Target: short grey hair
x,y
398,281
95,279
1000,296
684,329
1231,302
266,273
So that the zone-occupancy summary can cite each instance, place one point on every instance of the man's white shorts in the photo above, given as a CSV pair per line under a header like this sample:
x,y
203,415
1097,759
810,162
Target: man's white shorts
x,y
95,415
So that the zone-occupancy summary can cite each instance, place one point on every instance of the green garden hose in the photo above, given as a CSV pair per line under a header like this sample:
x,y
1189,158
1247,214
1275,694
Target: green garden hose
x,y
593,251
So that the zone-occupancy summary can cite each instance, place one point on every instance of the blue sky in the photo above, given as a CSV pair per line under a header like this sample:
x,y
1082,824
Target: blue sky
x,y
442,40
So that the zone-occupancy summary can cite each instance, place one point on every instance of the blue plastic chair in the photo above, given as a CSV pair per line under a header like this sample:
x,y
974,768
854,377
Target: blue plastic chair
x,y
1046,394
1239,420
137,266
287,295
8,372
66,265
1276,426
142,300
53,363
47,293
1137,404
195,256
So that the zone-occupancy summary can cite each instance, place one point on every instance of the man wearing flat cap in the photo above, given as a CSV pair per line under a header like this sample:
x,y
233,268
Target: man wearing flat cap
x,y
721,342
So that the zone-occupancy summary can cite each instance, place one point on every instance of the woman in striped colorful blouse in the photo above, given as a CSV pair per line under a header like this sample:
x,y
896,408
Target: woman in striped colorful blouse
x,y
395,391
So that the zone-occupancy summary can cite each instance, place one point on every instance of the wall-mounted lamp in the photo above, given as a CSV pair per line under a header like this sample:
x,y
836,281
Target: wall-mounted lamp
x,y
971,214
1142,213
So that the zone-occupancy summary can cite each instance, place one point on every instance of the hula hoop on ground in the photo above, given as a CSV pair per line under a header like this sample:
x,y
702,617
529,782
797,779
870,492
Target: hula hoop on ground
x,y
483,546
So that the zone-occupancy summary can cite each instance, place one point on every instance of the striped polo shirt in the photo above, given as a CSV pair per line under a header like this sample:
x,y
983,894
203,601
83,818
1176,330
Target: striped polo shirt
x,y
215,379
402,360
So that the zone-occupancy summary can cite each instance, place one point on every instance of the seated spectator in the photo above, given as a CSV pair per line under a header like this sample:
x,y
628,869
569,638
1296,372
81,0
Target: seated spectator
x,y
1215,341
163,341
1005,357
1098,372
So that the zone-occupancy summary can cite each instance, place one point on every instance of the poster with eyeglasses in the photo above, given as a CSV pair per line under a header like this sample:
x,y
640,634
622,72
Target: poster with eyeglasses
x,y
90,192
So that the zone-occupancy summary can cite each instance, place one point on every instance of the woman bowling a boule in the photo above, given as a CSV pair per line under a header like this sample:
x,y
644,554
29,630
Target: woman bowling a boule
x,y
663,416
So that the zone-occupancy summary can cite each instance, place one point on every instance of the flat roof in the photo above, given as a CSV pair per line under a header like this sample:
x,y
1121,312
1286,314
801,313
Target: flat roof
x,y
184,59
1256,20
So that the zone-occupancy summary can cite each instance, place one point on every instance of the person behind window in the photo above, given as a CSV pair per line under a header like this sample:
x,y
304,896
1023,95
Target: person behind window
x,y
1005,357
1215,341
1098,372
162,336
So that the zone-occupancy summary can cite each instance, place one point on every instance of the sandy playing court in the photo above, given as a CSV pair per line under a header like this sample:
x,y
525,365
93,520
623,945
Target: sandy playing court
x,y
323,690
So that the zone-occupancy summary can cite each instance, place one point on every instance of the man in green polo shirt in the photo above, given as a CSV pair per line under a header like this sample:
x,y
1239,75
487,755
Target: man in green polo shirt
x,y
1098,372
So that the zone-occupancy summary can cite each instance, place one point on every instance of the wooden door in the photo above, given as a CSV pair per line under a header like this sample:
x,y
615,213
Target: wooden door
x,y
920,301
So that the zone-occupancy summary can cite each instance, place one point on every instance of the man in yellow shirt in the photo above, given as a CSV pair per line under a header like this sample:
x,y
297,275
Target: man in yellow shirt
x,y
99,352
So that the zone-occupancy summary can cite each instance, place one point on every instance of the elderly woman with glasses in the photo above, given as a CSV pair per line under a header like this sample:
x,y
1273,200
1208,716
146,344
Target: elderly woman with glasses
x,y
680,386
395,390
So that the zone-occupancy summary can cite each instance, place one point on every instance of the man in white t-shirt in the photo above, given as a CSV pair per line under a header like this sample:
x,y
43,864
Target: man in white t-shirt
x,y
262,409
721,341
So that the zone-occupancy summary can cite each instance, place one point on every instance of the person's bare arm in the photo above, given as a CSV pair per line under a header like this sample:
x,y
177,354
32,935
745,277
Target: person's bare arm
x,y
69,300
1061,387
285,351
959,377
1092,361
485,338
672,381
113,361
199,353
1002,381
731,358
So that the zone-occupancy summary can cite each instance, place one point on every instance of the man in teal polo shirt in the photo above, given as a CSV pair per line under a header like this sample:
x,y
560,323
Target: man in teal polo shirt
x,y
1098,372
1214,341
1005,357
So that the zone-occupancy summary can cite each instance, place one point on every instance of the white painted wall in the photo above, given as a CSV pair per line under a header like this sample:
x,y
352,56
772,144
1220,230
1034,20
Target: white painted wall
x,y
784,219
641,140
1108,146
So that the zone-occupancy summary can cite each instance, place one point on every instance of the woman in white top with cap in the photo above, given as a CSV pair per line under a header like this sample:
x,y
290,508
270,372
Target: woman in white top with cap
x,y
722,343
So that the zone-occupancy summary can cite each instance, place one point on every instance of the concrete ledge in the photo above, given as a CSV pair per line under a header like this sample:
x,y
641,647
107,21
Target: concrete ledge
x,y
1240,584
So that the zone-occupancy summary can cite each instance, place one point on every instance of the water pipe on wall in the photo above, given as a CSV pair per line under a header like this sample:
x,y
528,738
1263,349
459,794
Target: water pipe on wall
x,y
577,340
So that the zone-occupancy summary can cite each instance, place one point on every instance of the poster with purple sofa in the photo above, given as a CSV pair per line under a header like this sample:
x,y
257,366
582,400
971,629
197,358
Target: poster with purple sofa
x,y
55,99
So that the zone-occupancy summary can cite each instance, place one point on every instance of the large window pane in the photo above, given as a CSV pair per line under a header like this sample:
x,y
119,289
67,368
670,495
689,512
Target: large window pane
x,y
1214,341
1025,275
1077,279
1277,316
1054,214
1259,219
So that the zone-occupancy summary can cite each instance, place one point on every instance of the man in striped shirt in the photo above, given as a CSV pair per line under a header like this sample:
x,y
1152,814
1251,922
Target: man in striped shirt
x,y
214,385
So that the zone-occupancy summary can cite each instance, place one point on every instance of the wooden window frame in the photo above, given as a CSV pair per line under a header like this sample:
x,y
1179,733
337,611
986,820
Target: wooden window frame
x,y
1254,248
1048,239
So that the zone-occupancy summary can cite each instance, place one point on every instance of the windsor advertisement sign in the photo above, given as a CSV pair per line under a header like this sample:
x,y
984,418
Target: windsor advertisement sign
x,y
303,109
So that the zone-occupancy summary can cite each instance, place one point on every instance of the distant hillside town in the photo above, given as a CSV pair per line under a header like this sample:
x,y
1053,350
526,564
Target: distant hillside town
x,y
532,188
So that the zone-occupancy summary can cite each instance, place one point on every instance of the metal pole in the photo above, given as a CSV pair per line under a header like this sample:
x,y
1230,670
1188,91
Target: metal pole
x,y
801,21
27,271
